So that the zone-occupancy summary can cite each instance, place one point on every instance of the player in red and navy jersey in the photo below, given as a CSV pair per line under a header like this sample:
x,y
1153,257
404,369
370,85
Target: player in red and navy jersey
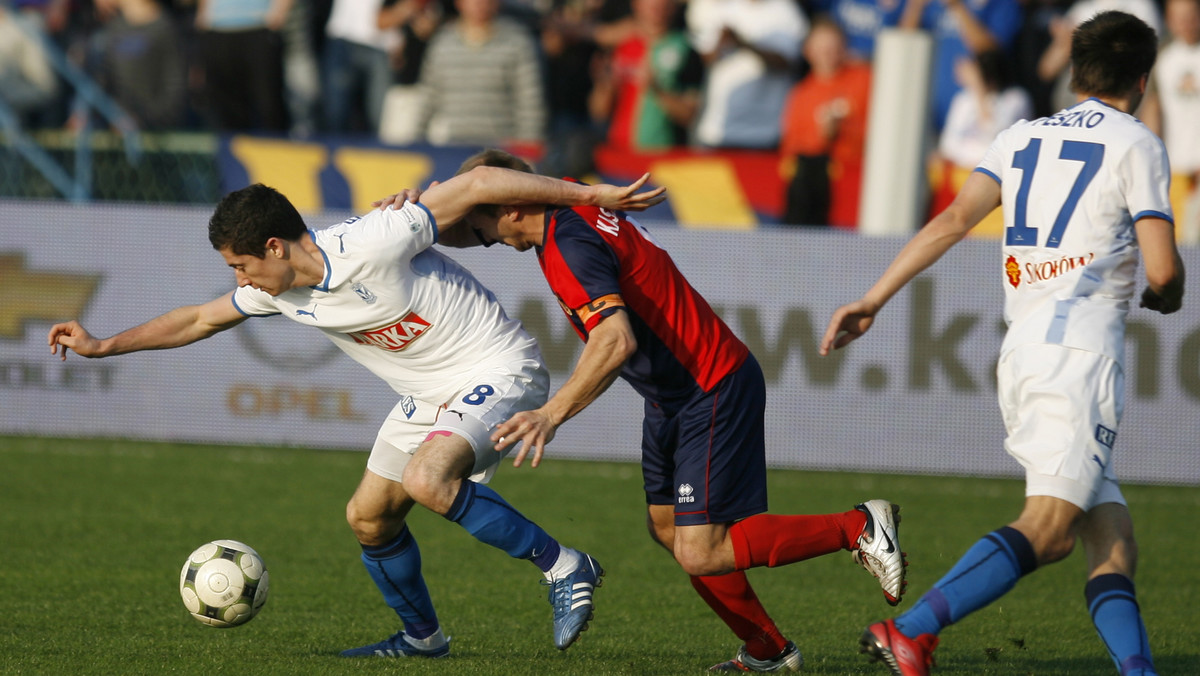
x,y
703,448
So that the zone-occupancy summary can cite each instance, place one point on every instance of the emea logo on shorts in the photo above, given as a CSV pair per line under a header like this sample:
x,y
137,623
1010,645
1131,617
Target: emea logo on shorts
x,y
28,296
685,493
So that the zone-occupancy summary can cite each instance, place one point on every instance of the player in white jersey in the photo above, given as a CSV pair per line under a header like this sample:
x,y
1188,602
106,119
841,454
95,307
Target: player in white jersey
x,y
1082,192
436,335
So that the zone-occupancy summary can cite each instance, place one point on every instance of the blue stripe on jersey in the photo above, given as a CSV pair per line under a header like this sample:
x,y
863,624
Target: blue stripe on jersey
x,y
989,174
432,220
324,285
237,307
1151,213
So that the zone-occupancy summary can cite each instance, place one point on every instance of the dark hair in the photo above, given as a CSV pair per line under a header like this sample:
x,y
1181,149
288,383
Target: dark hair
x,y
245,219
493,157
994,69
1110,52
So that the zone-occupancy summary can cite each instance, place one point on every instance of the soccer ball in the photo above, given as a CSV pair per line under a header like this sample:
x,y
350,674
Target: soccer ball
x,y
224,583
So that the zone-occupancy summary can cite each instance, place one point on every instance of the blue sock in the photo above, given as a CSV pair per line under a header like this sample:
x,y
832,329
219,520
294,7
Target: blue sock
x,y
1114,609
986,572
396,569
493,521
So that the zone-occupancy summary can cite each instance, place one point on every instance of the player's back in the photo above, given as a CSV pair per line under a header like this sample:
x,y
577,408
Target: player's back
x,y
1072,187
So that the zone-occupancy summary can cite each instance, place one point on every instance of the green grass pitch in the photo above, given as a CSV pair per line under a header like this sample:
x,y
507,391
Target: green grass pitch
x,y
93,534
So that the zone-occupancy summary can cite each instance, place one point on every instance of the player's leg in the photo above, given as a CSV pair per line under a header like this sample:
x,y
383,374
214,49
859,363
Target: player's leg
x,y
732,598
458,447
721,458
1048,398
392,558
992,566
1107,536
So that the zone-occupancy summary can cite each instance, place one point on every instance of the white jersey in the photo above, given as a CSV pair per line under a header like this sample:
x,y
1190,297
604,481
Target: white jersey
x,y
412,316
1072,186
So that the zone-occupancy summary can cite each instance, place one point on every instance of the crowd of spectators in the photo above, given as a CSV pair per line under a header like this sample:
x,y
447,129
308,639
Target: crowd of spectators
x,y
788,76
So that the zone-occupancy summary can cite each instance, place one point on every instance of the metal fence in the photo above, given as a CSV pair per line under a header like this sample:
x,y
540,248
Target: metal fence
x,y
171,168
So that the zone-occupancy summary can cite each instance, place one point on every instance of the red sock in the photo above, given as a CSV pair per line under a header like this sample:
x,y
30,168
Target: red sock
x,y
771,540
734,600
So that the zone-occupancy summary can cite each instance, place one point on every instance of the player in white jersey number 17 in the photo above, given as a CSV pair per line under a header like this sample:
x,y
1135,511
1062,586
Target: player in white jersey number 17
x,y
1082,192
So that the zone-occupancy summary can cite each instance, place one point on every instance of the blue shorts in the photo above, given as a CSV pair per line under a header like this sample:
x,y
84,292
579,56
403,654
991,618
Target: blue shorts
x,y
707,455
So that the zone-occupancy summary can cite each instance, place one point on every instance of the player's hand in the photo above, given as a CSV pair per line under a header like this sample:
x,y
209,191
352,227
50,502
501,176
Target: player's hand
x,y
72,335
406,195
533,428
627,198
847,324
1152,300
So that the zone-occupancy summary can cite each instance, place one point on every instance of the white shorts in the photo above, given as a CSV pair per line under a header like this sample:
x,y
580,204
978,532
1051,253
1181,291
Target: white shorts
x,y
1061,408
491,397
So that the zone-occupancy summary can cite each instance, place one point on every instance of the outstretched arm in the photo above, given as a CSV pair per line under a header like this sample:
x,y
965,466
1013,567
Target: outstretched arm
x,y
979,195
181,326
609,346
453,199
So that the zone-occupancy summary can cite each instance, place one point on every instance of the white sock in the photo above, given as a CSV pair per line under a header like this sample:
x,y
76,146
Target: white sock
x,y
435,640
567,562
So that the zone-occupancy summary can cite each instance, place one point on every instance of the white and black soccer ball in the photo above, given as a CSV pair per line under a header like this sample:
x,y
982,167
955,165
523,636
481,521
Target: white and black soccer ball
x,y
224,583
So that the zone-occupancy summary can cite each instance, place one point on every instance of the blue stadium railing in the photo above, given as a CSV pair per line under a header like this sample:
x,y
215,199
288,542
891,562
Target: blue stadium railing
x,y
88,97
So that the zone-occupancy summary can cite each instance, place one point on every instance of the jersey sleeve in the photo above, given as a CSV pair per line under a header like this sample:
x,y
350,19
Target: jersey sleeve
x,y
1146,180
254,303
397,233
992,164
585,273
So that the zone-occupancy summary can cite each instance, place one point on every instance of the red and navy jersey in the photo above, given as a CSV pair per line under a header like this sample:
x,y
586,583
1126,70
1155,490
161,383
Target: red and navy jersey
x,y
598,261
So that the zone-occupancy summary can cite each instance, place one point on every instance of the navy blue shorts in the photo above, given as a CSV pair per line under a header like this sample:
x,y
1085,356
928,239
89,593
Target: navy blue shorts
x,y
707,456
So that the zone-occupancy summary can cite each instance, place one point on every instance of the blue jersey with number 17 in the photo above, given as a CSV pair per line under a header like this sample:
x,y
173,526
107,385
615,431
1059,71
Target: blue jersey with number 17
x,y
1072,186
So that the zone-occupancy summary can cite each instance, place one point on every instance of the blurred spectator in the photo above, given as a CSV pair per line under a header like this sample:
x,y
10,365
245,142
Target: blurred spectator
x,y
242,54
481,81
301,74
861,21
960,28
417,21
1028,47
750,48
28,83
649,89
824,131
987,103
356,67
1052,68
577,38
1172,110
137,57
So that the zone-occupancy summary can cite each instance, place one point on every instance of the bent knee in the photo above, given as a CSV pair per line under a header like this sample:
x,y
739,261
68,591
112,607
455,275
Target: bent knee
x,y
700,562
369,526
1052,549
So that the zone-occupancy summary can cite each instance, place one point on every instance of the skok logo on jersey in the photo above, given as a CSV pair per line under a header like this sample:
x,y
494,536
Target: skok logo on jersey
x,y
394,337
1044,270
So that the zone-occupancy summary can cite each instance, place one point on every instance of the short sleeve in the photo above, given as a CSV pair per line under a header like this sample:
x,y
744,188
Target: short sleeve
x,y
254,303
585,274
1146,180
396,234
992,164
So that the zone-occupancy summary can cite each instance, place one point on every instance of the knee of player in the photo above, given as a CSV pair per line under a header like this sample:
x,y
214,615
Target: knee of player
x,y
1055,548
696,561
428,487
367,527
